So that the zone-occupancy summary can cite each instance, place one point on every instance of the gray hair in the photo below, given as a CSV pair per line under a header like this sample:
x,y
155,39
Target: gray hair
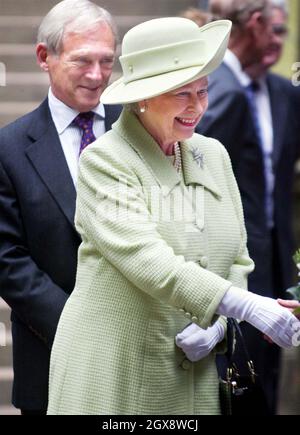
x,y
132,107
281,4
76,16
239,11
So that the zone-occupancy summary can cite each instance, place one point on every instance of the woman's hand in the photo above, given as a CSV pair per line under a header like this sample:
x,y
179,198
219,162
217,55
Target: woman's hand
x,y
197,343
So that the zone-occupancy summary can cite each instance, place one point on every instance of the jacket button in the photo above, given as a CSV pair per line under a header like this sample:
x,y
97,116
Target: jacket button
x,y
200,224
186,365
204,262
188,315
194,319
181,310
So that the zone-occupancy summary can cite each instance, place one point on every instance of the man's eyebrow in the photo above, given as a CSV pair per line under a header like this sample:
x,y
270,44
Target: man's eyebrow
x,y
80,52
86,52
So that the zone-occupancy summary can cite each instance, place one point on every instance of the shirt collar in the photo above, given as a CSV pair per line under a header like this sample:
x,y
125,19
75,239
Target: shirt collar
x,y
232,61
63,115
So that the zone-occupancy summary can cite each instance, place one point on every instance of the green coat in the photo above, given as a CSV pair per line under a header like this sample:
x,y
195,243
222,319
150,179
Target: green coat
x,y
144,273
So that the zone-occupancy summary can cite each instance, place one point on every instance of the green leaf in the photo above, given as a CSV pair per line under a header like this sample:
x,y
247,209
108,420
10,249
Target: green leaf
x,y
296,257
294,292
296,311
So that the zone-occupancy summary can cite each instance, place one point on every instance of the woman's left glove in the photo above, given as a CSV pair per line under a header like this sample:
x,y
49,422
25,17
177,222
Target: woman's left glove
x,y
197,343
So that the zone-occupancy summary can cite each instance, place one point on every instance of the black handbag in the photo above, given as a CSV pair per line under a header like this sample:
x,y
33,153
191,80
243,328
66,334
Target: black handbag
x,y
240,394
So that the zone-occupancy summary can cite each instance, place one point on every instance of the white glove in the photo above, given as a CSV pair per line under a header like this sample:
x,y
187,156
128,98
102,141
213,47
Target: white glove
x,y
264,313
197,343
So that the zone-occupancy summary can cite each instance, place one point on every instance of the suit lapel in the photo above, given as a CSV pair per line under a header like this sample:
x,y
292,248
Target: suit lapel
x,y
47,157
111,115
279,114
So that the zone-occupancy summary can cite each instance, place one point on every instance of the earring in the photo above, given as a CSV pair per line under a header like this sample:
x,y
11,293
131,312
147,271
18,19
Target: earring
x,y
144,107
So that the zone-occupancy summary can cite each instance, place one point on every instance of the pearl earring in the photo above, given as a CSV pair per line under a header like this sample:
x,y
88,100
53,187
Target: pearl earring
x,y
143,109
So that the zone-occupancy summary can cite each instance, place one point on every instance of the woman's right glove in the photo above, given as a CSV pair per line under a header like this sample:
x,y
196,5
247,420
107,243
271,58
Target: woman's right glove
x,y
264,313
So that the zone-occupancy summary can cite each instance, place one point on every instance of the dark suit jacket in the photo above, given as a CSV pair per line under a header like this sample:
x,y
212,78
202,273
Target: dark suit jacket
x,y
38,249
229,119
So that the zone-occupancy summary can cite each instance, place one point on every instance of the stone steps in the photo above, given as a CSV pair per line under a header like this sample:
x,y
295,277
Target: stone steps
x,y
15,29
23,87
6,378
8,410
116,7
6,372
5,336
20,58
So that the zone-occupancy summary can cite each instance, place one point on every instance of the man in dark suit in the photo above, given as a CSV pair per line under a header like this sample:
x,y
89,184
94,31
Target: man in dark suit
x,y
38,172
257,123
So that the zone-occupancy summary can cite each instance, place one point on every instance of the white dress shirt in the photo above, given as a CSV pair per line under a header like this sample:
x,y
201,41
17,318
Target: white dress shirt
x,y
70,135
264,113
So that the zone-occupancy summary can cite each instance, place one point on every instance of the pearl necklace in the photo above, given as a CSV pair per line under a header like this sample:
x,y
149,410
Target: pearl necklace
x,y
177,161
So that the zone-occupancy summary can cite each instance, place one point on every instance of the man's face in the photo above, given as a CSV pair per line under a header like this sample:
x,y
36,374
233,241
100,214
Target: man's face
x,y
81,71
279,32
262,38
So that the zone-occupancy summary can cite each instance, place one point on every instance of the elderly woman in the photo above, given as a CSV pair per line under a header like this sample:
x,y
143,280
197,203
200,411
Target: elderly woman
x,y
163,251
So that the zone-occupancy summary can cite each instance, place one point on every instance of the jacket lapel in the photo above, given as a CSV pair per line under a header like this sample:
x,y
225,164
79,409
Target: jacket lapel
x,y
129,127
194,172
112,112
47,157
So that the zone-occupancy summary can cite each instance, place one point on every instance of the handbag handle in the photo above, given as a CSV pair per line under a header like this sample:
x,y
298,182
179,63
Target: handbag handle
x,y
234,331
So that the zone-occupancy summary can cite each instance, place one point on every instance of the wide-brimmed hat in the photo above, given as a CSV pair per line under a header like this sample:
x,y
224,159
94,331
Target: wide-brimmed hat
x,y
165,53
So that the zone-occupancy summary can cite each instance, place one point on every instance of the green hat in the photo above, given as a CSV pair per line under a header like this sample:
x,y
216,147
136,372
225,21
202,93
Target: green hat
x,y
165,53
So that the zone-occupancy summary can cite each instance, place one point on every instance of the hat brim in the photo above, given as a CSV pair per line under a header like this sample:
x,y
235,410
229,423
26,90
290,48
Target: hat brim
x,y
215,33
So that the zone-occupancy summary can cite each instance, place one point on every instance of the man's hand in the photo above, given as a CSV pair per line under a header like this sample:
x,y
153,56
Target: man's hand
x,y
292,305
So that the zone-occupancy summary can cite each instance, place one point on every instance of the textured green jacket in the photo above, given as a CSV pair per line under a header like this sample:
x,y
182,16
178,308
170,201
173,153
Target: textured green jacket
x,y
146,269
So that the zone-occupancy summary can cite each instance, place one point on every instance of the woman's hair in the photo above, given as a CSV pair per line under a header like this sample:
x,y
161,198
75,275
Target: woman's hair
x,y
132,107
71,16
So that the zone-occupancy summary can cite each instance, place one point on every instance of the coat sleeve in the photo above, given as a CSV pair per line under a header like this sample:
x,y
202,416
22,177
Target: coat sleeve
x,y
112,215
31,294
